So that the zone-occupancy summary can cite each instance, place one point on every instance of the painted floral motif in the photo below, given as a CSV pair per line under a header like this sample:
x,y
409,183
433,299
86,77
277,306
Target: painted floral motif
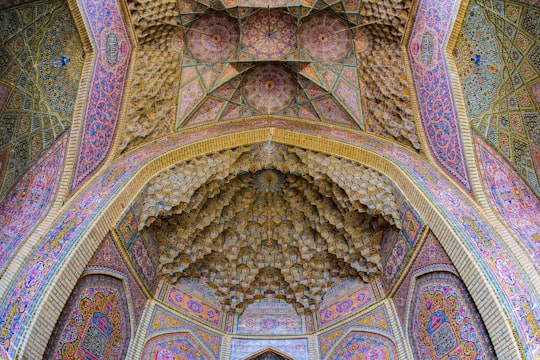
x,y
376,319
361,345
510,196
163,320
269,318
432,85
144,255
444,323
107,258
395,249
95,322
193,306
107,90
25,205
175,346
345,306
293,348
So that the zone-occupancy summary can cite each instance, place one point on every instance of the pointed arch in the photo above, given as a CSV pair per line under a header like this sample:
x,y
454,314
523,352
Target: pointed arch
x,y
451,215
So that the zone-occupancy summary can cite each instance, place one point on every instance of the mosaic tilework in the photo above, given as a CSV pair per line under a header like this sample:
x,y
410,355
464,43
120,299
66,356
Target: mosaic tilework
x,y
345,306
531,2
5,90
269,318
364,345
376,319
142,248
478,60
4,353
510,196
94,323
6,4
182,298
498,58
431,257
107,258
396,247
107,85
294,348
41,59
432,85
25,204
165,321
175,346
19,305
229,322
443,321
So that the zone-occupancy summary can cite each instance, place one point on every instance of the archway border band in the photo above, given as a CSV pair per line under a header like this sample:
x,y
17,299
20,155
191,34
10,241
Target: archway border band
x,y
77,233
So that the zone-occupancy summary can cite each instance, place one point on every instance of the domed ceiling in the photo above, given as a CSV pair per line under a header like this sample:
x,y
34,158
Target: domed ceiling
x,y
269,222
338,62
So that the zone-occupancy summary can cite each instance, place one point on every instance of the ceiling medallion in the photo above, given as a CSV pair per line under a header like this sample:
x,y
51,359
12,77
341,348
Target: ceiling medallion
x,y
269,34
213,37
269,87
268,181
326,37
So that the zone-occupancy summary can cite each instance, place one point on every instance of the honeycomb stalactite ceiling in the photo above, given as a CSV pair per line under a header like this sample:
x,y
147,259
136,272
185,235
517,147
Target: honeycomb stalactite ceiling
x,y
154,87
345,58
269,222
387,102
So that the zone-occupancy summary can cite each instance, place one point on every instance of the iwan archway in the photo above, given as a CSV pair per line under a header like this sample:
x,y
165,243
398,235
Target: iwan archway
x,y
477,254
315,178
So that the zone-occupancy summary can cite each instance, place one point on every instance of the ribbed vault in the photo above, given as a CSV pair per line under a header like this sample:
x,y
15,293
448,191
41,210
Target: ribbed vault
x,y
269,221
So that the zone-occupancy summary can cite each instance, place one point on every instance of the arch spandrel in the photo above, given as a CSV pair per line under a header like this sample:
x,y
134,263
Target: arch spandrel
x,y
88,217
